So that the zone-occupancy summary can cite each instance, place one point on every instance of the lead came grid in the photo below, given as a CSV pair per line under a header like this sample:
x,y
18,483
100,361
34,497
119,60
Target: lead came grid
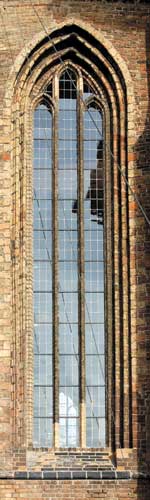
x,y
94,278
68,272
43,402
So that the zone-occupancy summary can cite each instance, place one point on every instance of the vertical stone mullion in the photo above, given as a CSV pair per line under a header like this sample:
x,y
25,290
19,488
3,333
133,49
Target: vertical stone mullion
x,y
28,234
81,293
15,277
117,313
127,437
55,283
108,237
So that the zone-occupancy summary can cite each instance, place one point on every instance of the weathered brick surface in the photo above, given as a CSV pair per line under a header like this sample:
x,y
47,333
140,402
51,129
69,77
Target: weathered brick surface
x,y
123,28
38,490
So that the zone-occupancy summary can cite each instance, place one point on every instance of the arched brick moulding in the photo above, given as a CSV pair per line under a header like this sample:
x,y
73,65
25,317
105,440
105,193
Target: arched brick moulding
x,y
111,78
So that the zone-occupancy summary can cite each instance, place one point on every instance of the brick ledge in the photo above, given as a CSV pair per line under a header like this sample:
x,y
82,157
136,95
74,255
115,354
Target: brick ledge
x,y
73,475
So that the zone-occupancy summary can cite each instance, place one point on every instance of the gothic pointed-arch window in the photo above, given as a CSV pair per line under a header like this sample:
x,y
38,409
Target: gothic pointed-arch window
x,y
69,255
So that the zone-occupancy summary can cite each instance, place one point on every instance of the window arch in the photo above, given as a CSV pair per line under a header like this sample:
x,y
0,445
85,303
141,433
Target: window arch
x,y
69,392
97,64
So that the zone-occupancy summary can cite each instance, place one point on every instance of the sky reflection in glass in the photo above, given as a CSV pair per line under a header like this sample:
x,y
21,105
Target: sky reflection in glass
x,y
42,280
94,277
68,271
68,274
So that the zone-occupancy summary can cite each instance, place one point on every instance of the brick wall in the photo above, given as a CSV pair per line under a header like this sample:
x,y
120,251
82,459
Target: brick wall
x,y
123,29
37,490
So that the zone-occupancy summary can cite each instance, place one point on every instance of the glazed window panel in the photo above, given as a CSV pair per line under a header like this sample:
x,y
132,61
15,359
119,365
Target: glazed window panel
x,y
68,266
94,275
68,227
42,280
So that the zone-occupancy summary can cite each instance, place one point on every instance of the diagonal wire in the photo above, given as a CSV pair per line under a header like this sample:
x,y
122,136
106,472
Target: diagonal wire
x,y
91,116
119,167
107,147
100,134
79,275
135,196
62,294
44,231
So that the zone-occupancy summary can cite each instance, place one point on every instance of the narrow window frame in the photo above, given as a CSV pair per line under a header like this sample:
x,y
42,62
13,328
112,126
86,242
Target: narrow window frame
x,y
102,111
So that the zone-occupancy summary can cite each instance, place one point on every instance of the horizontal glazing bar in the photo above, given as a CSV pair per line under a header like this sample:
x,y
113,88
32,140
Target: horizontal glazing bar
x,y
71,261
42,164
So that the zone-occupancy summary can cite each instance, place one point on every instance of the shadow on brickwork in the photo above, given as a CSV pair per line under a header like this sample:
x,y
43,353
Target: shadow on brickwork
x,y
143,291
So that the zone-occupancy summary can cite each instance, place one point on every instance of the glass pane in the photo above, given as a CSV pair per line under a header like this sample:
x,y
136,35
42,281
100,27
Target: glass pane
x,y
67,185
95,397
68,276
69,370
69,432
42,254
42,307
67,155
42,150
42,245
43,432
43,120
42,184
94,272
87,90
42,276
43,404
42,215
95,373
68,267
95,432
68,308
43,369
43,338
67,119
92,127
68,339
93,245
67,244
94,276
94,307
94,338
68,402
67,89
67,220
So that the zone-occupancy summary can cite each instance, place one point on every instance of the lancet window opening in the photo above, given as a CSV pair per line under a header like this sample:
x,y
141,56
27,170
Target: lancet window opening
x,y
69,255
